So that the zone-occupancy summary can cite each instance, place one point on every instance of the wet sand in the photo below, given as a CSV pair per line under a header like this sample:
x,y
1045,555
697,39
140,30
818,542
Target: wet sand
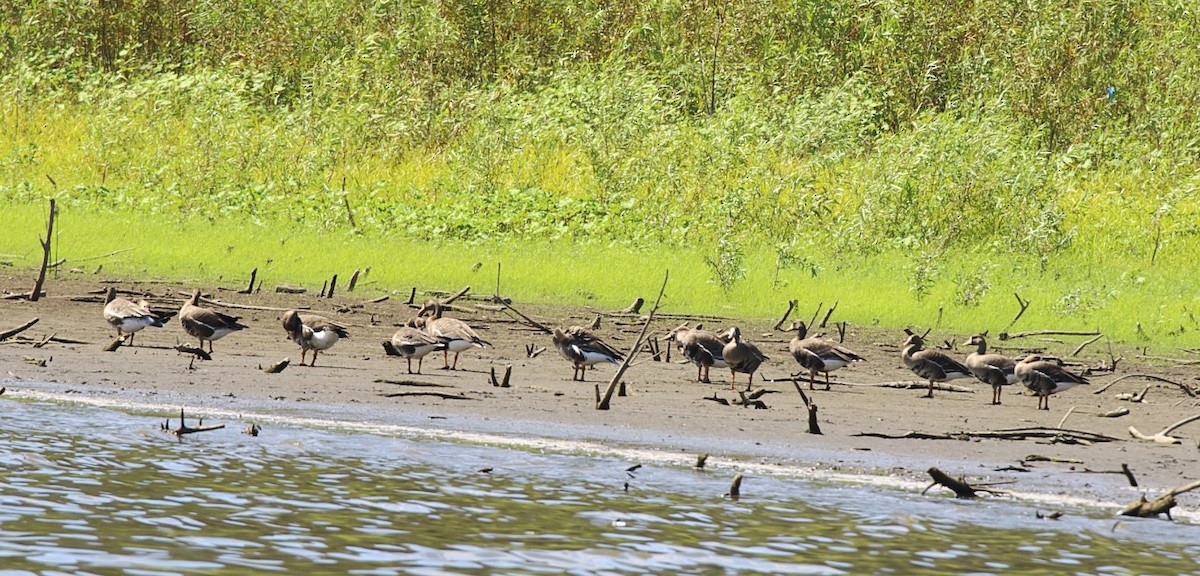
x,y
666,409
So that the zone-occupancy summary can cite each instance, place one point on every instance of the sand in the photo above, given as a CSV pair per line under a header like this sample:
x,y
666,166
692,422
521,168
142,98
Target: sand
x,y
666,409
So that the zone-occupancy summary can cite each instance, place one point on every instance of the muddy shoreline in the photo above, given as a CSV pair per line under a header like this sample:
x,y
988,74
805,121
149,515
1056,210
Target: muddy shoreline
x,y
666,409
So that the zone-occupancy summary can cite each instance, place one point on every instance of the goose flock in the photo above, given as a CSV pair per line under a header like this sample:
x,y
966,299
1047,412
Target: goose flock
x,y
432,331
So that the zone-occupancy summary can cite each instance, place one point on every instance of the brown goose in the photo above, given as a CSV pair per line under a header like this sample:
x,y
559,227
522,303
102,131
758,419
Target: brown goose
x,y
456,334
128,317
583,348
818,354
412,341
931,365
206,323
703,348
741,356
312,332
1045,378
991,369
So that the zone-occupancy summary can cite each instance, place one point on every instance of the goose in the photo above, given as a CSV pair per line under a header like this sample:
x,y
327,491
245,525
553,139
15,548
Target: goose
x,y
703,348
128,317
991,369
1045,378
412,341
312,332
931,365
206,323
456,334
583,348
741,356
818,354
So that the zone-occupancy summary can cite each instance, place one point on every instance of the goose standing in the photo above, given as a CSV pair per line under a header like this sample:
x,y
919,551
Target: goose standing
x,y
205,323
412,341
931,365
583,348
312,332
703,348
456,334
1045,378
128,317
741,356
993,369
818,354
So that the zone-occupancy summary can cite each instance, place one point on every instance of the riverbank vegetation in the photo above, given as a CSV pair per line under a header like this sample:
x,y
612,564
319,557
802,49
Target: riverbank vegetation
x,y
902,157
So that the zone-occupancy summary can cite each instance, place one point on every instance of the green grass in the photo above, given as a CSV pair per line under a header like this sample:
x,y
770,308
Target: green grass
x,y
1110,295
911,160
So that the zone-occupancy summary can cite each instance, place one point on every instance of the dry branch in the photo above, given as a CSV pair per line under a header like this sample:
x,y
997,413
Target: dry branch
x,y
197,352
604,402
455,296
1024,304
813,426
1182,386
735,488
529,321
250,287
1164,437
5,335
1013,335
829,313
1161,505
185,429
41,279
786,313
635,307
1085,344
960,487
353,281
112,346
441,395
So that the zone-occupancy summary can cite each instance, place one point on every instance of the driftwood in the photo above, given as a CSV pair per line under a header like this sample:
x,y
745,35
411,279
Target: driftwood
x,y
1023,304
410,383
532,350
332,286
1187,389
383,298
701,460
1119,412
283,289
529,321
913,385
278,366
441,395
605,401
1055,459
502,383
455,296
5,335
1085,344
1056,434
196,352
1164,437
735,488
353,281
1013,335
207,300
112,346
185,429
786,313
635,307
1161,505
41,279
751,400
250,287
42,343
960,487
829,313
813,426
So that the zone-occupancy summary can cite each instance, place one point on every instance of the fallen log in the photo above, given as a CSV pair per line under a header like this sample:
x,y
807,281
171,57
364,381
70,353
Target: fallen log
x,y
1013,335
441,395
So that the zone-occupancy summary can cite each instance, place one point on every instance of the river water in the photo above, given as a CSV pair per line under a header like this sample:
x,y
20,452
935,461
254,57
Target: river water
x,y
100,490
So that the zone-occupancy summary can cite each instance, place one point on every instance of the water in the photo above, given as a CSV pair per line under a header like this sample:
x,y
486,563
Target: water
x,y
93,490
